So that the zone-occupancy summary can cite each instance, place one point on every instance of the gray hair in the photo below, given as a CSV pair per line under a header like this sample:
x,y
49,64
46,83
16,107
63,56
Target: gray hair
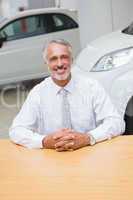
x,y
57,41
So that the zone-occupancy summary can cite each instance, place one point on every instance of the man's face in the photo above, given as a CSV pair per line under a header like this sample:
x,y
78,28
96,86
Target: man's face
x,y
59,60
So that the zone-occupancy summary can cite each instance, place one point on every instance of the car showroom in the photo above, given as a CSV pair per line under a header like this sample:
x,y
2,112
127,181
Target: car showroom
x,y
101,35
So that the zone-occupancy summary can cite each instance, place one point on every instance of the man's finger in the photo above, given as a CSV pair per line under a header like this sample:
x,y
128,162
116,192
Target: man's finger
x,y
60,149
58,135
66,147
68,137
55,137
69,146
62,133
60,144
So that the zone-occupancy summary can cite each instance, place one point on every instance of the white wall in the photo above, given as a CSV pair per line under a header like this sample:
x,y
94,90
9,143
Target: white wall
x,y
67,3
122,13
10,7
15,5
5,8
41,3
94,19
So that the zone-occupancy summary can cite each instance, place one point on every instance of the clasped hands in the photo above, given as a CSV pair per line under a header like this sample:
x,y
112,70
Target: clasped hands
x,y
65,140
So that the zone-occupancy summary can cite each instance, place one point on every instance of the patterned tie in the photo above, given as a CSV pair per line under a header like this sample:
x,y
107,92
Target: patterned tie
x,y
66,115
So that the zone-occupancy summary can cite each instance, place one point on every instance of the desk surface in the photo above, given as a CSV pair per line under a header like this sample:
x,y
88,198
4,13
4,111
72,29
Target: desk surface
x,y
101,172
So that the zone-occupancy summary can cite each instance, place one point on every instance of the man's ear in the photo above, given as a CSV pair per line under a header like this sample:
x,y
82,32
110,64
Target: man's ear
x,y
44,59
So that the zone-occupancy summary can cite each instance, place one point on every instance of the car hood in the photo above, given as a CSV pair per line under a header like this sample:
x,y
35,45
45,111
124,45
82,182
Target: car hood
x,y
113,41
102,46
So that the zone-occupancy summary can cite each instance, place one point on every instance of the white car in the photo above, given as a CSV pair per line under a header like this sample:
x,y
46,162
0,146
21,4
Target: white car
x,y
109,59
22,38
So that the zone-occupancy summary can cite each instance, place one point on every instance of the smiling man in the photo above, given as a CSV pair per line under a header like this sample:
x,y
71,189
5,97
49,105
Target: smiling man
x,y
65,111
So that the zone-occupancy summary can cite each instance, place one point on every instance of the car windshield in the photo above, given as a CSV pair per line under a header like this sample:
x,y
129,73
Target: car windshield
x,y
129,29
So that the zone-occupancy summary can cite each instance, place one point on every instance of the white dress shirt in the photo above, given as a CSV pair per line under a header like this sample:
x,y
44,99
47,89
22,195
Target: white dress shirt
x,y
91,112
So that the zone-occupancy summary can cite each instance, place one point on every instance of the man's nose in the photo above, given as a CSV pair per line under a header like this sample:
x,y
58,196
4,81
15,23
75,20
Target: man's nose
x,y
59,62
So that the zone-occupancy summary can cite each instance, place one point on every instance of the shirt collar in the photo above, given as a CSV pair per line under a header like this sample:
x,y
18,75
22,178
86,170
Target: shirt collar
x,y
69,87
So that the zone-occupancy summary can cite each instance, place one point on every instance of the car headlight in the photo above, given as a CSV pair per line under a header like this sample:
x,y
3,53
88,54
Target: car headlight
x,y
114,60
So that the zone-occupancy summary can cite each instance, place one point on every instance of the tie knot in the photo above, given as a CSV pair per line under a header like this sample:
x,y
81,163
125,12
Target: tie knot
x,y
64,92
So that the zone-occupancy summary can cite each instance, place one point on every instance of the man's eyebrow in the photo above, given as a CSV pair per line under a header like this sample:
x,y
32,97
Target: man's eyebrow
x,y
52,57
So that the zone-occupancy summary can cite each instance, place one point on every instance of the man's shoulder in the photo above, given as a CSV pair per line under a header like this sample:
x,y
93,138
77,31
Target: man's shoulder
x,y
89,86
85,81
43,85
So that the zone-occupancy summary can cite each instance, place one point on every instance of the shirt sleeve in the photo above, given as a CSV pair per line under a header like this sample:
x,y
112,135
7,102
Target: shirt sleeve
x,y
24,128
108,121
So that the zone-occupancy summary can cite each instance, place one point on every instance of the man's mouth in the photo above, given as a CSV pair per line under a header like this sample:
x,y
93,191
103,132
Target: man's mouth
x,y
61,70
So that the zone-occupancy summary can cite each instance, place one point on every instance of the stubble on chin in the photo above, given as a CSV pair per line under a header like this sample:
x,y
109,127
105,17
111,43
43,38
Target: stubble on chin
x,y
60,77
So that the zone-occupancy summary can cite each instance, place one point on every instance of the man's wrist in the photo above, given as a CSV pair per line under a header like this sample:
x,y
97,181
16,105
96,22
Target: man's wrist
x,y
44,142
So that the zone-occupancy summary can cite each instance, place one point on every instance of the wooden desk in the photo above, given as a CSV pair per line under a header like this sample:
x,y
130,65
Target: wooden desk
x,y
101,172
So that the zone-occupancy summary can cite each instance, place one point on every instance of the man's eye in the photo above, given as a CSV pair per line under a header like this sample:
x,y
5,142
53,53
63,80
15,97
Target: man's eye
x,y
65,57
52,59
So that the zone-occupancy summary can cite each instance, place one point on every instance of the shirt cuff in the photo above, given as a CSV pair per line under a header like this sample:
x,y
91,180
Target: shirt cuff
x,y
36,141
26,138
96,133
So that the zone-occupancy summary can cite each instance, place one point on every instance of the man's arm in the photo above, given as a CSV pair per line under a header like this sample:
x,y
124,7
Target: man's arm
x,y
109,122
24,128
